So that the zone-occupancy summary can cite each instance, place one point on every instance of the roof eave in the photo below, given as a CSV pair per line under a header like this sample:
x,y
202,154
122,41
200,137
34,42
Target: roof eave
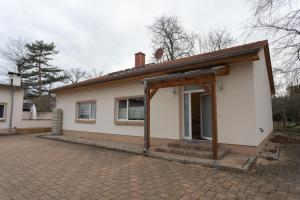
x,y
153,70
269,67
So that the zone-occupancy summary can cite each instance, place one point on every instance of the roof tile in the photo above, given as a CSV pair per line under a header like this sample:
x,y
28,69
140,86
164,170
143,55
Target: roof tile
x,y
148,68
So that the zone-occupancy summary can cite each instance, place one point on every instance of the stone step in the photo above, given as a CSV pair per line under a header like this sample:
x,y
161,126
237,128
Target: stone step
x,y
199,145
222,152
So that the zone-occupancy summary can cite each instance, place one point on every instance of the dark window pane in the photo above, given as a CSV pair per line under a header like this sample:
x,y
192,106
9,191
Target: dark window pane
x,y
87,110
123,104
2,111
136,109
122,112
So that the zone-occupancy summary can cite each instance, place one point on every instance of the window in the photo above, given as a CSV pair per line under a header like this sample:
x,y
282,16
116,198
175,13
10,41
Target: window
x,y
86,110
131,109
2,111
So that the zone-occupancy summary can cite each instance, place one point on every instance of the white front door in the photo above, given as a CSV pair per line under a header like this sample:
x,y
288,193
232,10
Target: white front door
x,y
187,116
206,124
205,113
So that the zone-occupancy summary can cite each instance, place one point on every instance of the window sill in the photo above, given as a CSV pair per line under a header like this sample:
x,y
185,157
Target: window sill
x,y
89,121
2,120
127,122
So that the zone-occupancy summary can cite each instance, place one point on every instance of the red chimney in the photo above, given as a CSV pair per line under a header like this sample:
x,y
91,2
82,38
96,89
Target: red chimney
x,y
139,59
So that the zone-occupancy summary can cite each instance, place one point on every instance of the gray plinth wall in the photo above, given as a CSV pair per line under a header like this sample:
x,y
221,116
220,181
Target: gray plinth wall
x,y
57,122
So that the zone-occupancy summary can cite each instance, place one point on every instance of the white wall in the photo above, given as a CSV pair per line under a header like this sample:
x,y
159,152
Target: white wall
x,y
5,97
44,119
164,110
40,115
235,106
18,114
263,101
37,123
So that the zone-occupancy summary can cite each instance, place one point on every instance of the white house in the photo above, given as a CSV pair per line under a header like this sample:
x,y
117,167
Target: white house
x,y
12,118
223,97
11,104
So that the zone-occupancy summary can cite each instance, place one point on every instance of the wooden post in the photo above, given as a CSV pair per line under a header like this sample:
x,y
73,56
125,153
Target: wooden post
x,y
214,120
146,117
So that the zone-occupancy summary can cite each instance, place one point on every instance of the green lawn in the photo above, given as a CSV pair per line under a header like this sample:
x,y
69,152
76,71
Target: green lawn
x,y
290,127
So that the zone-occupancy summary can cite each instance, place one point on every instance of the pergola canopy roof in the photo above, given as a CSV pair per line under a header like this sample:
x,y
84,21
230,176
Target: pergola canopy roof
x,y
177,76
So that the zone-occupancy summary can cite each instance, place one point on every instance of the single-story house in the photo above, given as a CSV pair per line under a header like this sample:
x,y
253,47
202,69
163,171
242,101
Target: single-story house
x,y
12,117
11,103
223,97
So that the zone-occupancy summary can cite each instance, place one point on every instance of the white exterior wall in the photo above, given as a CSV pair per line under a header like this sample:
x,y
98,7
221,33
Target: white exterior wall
x,y
35,123
244,104
235,106
40,115
263,101
5,97
17,119
164,110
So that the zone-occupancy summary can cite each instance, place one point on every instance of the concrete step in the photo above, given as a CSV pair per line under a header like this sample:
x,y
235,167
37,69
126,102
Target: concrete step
x,y
197,145
222,152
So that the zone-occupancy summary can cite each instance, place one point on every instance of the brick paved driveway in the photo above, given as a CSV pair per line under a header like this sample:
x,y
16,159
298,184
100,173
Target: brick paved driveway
x,y
35,168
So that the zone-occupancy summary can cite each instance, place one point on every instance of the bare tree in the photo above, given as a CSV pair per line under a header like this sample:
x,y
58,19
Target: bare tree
x,y
15,53
280,20
168,33
215,40
74,75
94,74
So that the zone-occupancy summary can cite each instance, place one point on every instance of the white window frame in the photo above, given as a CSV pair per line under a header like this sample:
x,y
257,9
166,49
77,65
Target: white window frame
x,y
4,112
127,109
90,113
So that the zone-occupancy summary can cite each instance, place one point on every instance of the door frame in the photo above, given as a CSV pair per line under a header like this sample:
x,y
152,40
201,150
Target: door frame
x,y
204,137
189,92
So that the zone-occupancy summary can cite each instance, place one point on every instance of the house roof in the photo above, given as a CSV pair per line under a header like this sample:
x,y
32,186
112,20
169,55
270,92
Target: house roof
x,y
205,59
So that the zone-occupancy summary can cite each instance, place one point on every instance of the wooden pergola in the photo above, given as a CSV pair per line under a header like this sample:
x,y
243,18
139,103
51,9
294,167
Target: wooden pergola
x,y
205,78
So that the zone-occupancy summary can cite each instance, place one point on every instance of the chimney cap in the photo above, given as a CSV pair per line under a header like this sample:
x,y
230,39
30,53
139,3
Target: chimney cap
x,y
140,53
14,74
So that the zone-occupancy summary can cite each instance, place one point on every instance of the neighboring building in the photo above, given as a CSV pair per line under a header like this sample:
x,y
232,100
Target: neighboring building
x,y
6,109
223,96
12,117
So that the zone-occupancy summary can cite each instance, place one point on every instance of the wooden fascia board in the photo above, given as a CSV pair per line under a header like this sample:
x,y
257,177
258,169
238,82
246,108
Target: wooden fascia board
x,y
269,68
181,81
222,71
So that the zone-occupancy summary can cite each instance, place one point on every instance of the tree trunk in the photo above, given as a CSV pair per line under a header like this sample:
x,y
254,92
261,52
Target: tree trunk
x,y
40,78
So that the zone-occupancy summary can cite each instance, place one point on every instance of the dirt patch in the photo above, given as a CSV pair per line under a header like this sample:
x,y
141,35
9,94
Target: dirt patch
x,y
284,140
270,151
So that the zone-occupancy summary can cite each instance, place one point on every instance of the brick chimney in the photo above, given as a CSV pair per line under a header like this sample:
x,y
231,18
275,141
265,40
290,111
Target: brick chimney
x,y
139,59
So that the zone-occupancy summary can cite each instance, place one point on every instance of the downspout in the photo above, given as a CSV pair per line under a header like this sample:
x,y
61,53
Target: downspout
x,y
12,106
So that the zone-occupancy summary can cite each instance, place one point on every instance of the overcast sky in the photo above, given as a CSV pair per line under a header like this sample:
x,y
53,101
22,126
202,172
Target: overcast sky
x,y
105,34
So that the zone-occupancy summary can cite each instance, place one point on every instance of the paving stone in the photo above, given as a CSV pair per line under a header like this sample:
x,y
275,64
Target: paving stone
x,y
34,168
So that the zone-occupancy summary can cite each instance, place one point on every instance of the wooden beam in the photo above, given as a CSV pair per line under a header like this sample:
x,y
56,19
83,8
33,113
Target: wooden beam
x,y
146,119
181,81
214,120
221,71
152,93
204,86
